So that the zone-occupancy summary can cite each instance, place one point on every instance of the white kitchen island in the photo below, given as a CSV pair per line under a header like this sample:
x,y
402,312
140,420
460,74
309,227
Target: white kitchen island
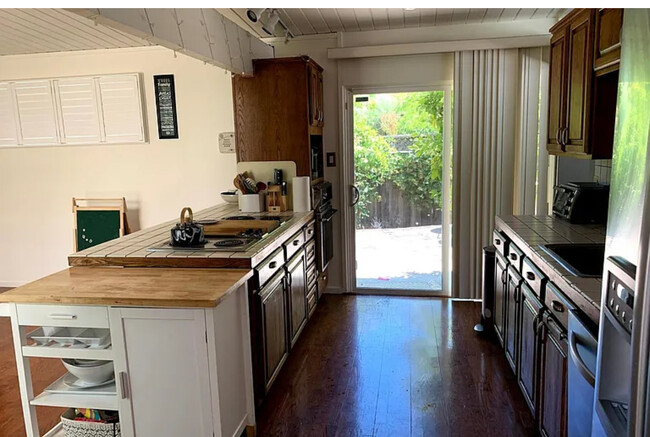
x,y
179,341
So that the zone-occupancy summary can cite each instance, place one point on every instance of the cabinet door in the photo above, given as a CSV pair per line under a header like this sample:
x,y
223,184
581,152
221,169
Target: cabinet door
x,y
297,294
314,115
580,46
553,380
528,346
161,367
274,328
556,90
500,282
319,99
607,50
513,292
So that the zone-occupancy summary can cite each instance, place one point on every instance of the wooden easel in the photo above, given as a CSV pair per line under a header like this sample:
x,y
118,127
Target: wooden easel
x,y
100,205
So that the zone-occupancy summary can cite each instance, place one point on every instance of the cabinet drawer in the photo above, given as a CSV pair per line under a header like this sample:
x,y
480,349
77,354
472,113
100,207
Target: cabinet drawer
x,y
270,266
534,277
312,291
293,244
311,275
558,304
515,256
310,250
310,230
75,316
500,242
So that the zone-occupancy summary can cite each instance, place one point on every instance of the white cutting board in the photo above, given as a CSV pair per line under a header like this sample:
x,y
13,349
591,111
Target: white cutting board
x,y
262,171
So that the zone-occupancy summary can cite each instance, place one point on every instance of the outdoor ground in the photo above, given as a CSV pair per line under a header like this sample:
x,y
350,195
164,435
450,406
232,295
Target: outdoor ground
x,y
400,258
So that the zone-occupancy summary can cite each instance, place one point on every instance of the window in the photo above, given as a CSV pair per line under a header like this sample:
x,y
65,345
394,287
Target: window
x,y
77,110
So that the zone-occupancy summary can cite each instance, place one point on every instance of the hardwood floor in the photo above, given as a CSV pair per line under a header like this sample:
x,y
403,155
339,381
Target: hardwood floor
x,y
364,366
390,366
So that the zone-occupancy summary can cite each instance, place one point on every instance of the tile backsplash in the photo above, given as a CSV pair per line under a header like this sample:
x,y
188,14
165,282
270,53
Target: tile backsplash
x,y
602,170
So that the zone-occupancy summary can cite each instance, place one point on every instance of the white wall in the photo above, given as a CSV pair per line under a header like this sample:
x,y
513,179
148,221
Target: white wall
x,y
157,179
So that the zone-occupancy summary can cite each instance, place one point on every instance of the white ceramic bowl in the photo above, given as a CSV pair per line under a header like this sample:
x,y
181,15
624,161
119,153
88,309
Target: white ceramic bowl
x,y
230,196
100,372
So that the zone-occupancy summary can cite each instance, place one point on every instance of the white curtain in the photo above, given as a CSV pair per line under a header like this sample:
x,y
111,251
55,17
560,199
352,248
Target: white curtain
x,y
493,151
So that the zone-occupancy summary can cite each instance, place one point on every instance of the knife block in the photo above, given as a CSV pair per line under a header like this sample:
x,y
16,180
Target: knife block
x,y
275,201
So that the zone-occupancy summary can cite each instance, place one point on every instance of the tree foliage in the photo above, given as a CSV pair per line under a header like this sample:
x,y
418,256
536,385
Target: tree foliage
x,y
398,139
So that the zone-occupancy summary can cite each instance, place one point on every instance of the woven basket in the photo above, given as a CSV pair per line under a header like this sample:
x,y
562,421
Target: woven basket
x,y
77,428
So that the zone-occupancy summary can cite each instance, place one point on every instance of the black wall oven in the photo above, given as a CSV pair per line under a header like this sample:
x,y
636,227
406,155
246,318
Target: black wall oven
x,y
322,202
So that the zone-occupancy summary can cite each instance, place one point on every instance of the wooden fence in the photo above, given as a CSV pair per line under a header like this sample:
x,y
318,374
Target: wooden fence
x,y
394,210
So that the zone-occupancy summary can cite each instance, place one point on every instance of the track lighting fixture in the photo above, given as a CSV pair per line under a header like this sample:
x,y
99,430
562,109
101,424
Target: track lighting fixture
x,y
270,22
254,14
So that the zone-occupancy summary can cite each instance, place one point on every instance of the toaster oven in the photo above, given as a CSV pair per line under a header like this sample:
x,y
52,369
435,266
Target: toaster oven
x,y
581,202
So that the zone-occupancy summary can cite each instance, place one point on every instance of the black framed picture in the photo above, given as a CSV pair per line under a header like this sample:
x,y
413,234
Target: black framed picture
x,y
166,106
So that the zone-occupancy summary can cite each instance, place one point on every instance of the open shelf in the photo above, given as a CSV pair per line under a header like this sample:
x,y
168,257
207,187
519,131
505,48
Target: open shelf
x,y
57,351
76,400
57,431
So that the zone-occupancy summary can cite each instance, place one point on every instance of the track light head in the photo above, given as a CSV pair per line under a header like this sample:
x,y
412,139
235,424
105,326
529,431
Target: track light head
x,y
270,23
254,14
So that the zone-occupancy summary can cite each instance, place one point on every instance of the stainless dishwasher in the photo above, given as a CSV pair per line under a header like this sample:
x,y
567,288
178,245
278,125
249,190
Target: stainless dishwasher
x,y
583,352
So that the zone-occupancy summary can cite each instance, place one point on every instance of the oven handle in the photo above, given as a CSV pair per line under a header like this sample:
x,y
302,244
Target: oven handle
x,y
580,365
328,216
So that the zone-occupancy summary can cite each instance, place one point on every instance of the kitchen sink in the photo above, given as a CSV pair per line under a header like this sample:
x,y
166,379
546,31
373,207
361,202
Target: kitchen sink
x,y
585,260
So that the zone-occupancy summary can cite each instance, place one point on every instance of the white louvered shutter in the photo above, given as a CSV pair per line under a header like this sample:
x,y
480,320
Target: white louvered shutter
x,y
36,112
8,124
121,107
78,110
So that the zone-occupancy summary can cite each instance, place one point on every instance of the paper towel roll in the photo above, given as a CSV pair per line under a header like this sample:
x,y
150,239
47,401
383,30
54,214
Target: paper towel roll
x,y
301,194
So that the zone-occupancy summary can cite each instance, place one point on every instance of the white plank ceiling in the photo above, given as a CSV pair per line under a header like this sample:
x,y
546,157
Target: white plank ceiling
x,y
24,31
321,21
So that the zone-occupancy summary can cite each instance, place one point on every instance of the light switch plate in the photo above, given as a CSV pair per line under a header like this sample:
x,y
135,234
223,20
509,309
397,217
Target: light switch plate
x,y
331,159
227,142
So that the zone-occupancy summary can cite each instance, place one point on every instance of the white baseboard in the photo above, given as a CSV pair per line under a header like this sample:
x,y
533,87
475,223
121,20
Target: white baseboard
x,y
11,284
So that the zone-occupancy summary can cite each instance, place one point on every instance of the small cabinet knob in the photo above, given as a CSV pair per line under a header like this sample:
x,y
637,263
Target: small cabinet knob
x,y
530,276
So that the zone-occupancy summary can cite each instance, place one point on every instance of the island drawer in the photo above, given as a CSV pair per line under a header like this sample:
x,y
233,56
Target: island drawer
x,y
294,244
311,302
310,250
500,242
310,230
270,266
534,277
558,304
74,316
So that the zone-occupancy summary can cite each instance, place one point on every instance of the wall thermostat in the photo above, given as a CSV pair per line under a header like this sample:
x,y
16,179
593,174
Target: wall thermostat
x,y
227,142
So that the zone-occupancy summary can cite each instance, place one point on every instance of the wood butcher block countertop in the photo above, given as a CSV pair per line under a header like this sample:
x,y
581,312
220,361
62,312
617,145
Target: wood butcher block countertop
x,y
149,287
528,232
131,250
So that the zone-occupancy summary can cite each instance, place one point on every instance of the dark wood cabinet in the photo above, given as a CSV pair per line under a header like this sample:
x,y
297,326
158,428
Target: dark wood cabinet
x,y
296,283
553,379
513,297
607,50
274,320
500,284
581,109
528,346
278,111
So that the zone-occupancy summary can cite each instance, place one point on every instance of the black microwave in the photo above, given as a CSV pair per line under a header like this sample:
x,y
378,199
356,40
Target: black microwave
x,y
581,202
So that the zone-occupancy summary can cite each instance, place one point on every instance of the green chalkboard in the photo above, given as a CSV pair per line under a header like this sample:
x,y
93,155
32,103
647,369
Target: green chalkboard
x,y
95,227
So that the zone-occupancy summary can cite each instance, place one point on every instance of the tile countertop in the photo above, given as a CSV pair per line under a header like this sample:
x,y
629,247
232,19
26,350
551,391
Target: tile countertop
x,y
131,250
528,232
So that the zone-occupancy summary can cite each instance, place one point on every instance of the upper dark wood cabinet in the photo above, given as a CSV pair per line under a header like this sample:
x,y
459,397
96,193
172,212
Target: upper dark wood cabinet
x,y
585,45
607,51
278,110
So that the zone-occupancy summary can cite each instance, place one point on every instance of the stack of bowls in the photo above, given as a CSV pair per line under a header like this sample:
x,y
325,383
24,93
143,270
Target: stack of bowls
x,y
90,371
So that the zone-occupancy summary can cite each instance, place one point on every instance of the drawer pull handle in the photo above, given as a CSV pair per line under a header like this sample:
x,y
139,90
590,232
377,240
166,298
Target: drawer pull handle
x,y
497,241
310,231
530,276
296,242
273,264
557,306
124,385
63,316
513,256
